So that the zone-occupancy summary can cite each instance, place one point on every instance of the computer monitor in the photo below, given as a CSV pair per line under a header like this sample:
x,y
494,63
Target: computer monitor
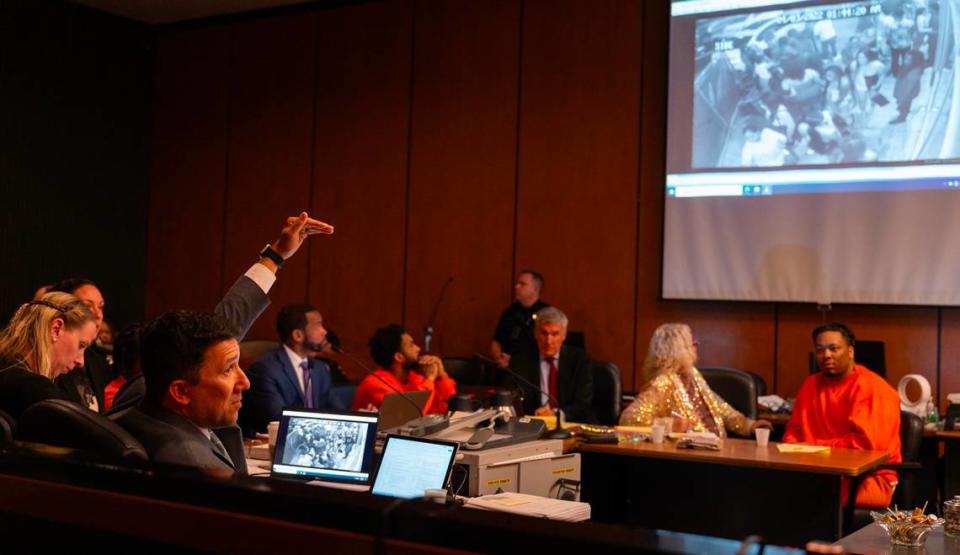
x,y
410,465
325,445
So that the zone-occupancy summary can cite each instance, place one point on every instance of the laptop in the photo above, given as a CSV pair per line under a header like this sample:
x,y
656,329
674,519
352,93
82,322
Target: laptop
x,y
410,465
326,447
397,410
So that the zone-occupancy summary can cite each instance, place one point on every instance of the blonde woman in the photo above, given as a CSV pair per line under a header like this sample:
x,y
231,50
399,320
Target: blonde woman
x,y
676,389
44,338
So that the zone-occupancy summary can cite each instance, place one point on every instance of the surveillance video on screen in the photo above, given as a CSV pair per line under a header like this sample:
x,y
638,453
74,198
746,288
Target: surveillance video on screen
x,y
813,152
329,444
809,87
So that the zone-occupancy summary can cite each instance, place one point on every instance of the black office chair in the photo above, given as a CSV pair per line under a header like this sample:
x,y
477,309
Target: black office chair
x,y
8,427
906,494
576,339
67,424
759,382
736,387
606,392
467,370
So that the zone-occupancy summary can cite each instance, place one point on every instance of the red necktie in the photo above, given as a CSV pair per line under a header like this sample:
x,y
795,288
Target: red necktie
x,y
552,382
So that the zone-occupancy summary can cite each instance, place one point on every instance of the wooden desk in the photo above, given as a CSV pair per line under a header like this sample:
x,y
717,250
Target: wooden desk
x,y
742,489
873,540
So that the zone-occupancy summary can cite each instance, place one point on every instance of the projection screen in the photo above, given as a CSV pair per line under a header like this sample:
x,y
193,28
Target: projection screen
x,y
813,152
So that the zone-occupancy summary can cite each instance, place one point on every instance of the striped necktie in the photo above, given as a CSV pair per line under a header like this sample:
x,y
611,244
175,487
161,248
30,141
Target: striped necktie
x,y
307,384
219,448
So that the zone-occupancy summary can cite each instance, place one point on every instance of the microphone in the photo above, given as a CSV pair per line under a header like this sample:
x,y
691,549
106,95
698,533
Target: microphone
x,y
428,330
558,432
427,424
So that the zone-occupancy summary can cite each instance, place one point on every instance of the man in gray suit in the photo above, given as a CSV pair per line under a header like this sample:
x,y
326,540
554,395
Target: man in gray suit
x,y
190,360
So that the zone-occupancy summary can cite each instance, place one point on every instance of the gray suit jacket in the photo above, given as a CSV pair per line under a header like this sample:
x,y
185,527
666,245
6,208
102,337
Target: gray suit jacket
x,y
171,438
240,307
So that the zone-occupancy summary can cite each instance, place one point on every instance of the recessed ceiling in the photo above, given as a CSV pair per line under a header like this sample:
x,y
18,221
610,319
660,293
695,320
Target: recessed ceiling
x,y
170,11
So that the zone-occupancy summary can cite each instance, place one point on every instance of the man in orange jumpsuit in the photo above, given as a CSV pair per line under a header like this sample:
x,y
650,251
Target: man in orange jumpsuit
x,y
402,368
847,405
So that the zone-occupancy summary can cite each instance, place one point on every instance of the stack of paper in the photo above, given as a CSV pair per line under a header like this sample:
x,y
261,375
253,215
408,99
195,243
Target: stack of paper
x,y
802,448
531,505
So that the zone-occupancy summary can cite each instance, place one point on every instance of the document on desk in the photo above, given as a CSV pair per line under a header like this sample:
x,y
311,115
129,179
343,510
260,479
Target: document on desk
x,y
531,505
802,448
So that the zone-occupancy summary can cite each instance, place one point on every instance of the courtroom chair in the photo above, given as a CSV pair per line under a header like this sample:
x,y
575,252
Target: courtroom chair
x,y
66,424
759,382
250,351
607,392
576,339
906,495
8,427
467,370
736,387
868,352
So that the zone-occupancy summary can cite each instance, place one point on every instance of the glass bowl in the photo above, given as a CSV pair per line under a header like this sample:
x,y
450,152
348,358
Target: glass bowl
x,y
904,531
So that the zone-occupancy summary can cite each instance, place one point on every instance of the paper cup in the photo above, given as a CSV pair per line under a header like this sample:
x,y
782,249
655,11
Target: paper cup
x,y
658,431
272,429
763,436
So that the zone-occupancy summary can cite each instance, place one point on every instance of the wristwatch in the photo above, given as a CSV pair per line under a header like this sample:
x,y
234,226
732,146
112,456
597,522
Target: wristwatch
x,y
269,252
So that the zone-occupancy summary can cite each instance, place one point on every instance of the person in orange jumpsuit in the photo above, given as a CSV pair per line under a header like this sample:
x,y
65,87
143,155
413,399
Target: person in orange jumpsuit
x,y
402,368
847,405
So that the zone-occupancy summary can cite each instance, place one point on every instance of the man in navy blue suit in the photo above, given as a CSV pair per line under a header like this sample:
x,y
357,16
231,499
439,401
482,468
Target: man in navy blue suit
x,y
289,375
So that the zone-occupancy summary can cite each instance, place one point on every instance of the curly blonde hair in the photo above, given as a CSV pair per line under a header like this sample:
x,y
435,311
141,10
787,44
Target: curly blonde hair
x,y
27,335
671,347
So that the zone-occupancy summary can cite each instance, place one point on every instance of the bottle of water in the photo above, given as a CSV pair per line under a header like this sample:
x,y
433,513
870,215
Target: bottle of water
x,y
932,415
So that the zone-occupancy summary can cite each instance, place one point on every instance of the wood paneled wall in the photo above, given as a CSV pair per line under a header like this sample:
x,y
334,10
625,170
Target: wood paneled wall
x,y
465,141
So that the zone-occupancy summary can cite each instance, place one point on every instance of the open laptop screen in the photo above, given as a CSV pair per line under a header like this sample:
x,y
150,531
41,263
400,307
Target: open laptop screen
x,y
411,465
326,445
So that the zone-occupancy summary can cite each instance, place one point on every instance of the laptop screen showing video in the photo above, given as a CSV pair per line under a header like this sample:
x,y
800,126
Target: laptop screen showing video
x,y
325,445
411,465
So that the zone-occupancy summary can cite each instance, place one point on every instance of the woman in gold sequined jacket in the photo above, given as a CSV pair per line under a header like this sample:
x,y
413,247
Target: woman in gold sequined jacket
x,y
676,389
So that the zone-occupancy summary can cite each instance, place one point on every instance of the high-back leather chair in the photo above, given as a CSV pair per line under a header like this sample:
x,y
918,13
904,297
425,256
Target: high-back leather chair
x,y
736,387
466,370
607,391
66,424
8,427
251,350
906,495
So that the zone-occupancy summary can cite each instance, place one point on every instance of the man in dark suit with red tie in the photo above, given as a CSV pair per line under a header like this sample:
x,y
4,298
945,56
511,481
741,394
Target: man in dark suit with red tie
x,y
289,375
561,370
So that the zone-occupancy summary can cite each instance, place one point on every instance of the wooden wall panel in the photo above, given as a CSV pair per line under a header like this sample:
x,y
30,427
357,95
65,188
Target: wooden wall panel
x,y
257,118
462,175
188,174
910,335
949,355
360,166
739,335
578,161
270,150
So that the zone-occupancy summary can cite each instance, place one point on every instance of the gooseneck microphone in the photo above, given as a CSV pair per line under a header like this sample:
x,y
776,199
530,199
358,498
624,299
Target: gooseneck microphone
x,y
557,432
428,329
334,343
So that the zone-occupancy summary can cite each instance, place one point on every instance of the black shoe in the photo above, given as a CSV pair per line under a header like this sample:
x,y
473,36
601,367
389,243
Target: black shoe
x,y
898,119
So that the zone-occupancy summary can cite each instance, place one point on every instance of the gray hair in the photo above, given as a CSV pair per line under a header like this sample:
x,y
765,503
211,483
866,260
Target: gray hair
x,y
551,315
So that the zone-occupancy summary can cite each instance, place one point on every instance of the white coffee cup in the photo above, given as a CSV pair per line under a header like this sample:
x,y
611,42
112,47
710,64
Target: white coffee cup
x,y
658,431
763,436
272,429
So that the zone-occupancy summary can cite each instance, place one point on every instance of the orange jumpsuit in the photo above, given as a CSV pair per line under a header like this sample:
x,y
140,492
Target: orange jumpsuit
x,y
372,390
860,411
